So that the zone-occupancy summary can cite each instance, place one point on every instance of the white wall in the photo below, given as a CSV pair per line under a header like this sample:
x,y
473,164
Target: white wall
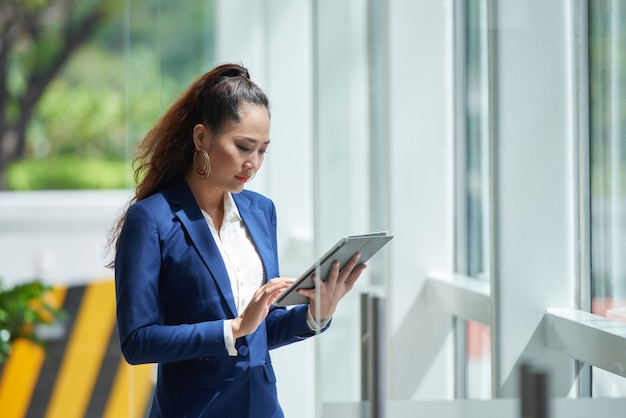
x,y
56,236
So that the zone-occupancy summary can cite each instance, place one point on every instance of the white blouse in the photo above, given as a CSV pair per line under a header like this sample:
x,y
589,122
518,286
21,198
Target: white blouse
x,y
242,261
243,265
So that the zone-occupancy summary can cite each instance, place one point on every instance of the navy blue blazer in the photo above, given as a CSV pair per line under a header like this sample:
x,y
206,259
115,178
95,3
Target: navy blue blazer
x,y
173,295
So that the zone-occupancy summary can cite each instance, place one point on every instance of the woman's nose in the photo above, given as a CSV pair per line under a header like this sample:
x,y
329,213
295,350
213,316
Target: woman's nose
x,y
249,165
252,163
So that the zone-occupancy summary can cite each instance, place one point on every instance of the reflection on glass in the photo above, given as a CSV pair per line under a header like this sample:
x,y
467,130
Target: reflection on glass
x,y
477,139
166,45
474,251
341,152
478,361
607,73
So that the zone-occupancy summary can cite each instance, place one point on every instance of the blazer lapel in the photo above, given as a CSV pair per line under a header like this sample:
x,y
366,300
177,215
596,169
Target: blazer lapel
x,y
256,222
187,210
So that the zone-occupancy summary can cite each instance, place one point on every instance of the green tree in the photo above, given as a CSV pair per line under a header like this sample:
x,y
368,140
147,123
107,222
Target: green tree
x,y
82,129
37,38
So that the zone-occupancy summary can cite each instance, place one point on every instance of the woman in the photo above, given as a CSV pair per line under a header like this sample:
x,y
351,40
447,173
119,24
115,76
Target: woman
x,y
196,265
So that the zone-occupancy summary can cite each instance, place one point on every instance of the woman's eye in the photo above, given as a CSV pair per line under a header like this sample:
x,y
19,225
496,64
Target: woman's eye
x,y
241,147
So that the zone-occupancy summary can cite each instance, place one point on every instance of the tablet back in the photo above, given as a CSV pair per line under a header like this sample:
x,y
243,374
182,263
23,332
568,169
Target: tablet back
x,y
367,245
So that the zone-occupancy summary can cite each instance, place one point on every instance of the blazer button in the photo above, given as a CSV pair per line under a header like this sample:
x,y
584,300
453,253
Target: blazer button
x,y
243,350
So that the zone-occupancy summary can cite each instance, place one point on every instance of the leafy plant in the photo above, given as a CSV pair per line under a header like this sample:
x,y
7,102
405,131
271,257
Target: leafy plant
x,y
22,308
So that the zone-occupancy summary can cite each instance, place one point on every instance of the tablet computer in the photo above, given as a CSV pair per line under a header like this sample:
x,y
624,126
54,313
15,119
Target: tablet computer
x,y
367,245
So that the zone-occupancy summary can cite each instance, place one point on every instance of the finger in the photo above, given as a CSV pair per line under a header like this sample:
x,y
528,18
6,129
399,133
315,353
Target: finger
x,y
333,274
352,262
288,280
269,297
317,284
348,267
354,275
266,299
275,295
278,283
309,293
265,292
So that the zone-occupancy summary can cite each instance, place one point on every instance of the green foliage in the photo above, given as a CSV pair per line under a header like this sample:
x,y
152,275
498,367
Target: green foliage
x,y
32,5
67,173
80,118
113,89
108,94
22,308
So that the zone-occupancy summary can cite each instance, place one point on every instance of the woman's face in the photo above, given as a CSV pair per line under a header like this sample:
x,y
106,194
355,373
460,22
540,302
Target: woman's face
x,y
237,152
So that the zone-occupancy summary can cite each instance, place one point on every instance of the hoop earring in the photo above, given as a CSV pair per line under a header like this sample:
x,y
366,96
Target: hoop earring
x,y
205,169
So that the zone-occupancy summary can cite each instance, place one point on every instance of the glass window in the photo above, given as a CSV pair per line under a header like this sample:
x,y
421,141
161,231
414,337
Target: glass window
x,y
164,48
476,134
158,65
473,347
341,123
94,97
607,74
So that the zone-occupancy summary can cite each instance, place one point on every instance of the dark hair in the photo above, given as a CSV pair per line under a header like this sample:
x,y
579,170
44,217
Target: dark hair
x,y
166,152
215,100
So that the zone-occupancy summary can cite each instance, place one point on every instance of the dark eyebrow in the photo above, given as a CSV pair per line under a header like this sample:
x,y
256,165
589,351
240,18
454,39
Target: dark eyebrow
x,y
254,140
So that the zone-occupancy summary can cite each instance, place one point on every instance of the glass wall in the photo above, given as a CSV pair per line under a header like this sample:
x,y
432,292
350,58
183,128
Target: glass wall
x,y
342,176
165,47
473,199
351,174
378,123
106,71
607,71
476,136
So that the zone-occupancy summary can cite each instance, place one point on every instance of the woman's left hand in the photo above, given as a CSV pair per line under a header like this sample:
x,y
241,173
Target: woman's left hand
x,y
338,283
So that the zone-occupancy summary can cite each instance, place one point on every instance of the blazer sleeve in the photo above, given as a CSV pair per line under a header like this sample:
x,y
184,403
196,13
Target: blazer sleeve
x,y
286,326
143,337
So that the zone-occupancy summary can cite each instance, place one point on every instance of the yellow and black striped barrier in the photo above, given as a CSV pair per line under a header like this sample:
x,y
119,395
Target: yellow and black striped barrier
x,y
81,372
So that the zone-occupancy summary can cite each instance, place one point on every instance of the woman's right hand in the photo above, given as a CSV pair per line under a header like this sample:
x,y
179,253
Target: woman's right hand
x,y
258,308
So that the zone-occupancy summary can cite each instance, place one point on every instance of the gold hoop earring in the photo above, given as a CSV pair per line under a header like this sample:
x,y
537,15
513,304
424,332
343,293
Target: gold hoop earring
x,y
205,169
